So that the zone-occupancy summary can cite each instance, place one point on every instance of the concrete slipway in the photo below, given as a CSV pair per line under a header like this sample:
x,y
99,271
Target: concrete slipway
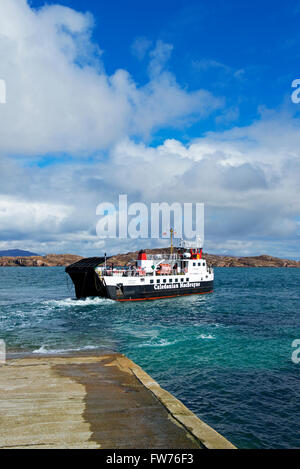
x,y
98,401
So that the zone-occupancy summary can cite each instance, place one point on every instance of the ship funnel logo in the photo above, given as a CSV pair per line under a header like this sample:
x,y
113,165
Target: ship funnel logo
x,y
155,220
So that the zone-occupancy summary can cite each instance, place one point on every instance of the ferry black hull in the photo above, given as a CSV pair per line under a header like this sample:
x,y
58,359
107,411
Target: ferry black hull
x,y
147,293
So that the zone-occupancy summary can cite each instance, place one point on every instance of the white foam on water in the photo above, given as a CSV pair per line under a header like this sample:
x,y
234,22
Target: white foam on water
x,y
159,343
43,351
207,324
206,337
40,351
70,302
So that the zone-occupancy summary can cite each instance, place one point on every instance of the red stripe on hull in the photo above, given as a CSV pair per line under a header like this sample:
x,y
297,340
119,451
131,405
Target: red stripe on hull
x,y
162,297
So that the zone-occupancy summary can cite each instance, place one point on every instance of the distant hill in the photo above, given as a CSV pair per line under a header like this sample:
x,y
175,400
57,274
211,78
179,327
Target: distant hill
x,y
17,253
51,260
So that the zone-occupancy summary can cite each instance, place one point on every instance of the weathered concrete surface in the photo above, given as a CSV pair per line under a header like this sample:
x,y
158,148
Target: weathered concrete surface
x,y
93,402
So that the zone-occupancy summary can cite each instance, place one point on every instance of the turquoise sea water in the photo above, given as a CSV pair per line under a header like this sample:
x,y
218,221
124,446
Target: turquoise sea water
x,y
227,356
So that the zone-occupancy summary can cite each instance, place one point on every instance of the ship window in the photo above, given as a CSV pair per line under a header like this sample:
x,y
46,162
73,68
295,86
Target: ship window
x,y
182,279
165,280
151,281
203,264
176,280
194,264
199,264
142,279
187,279
157,281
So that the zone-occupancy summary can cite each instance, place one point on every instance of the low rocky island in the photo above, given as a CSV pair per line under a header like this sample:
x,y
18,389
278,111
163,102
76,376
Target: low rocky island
x,y
259,261
63,260
50,260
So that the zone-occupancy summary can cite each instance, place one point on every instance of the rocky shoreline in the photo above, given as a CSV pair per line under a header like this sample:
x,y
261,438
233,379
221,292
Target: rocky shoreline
x,y
259,261
63,260
51,260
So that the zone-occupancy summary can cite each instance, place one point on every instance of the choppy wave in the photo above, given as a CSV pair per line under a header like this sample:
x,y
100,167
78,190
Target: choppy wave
x,y
44,351
71,302
158,343
209,323
206,337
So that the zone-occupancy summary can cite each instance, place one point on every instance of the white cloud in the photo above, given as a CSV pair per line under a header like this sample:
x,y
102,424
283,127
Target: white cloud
x,y
205,65
59,98
228,116
160,55
140,47
27,217
248,179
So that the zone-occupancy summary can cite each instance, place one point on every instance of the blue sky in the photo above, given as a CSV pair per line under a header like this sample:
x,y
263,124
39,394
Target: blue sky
x,y
193,94
245,51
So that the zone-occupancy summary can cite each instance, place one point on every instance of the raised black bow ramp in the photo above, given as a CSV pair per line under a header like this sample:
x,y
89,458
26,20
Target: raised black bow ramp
x,y
85,279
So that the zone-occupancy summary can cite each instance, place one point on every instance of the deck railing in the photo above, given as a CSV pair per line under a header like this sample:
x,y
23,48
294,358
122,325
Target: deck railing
x,y
137,273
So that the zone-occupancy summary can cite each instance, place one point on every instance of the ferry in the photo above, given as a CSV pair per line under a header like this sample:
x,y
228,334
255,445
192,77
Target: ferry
x,y
183,272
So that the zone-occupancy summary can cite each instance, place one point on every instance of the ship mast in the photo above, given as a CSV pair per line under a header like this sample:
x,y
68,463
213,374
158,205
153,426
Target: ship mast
x,y
172,233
